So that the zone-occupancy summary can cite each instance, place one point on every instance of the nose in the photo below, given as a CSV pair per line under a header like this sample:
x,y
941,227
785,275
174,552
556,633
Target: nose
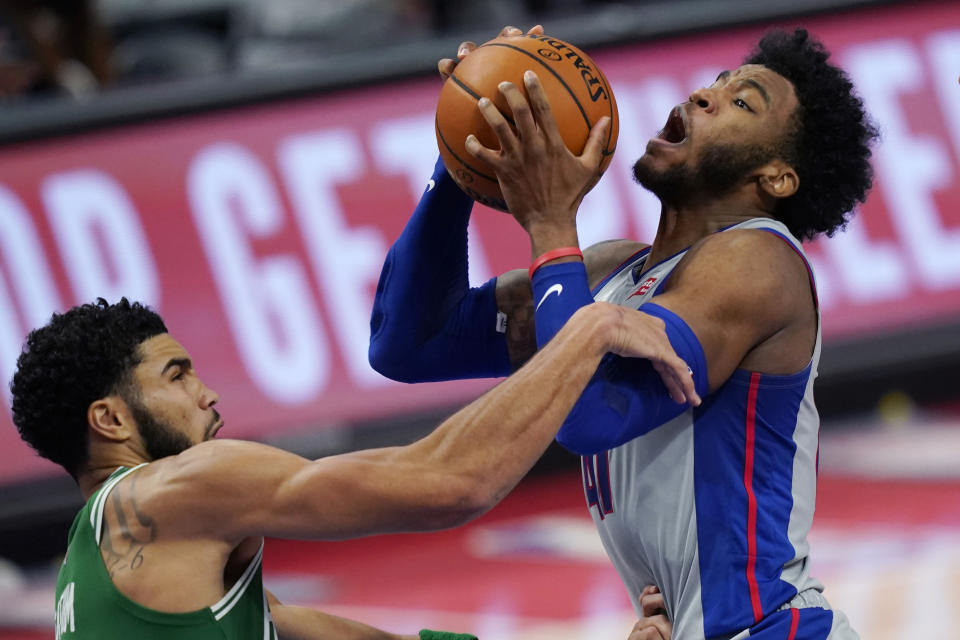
x,y
208,397
704,99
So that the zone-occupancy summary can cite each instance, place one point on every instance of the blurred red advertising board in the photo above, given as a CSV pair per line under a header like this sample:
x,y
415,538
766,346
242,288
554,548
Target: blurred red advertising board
x,y
259,232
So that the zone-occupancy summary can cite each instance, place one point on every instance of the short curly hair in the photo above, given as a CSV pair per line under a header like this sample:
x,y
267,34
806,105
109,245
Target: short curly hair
x,y
829,141
80,356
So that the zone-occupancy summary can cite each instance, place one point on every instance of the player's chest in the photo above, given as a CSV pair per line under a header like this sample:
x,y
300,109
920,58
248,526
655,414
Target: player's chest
x,y
635,285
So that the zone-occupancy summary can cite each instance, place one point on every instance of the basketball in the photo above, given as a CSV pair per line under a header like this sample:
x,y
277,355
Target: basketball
x,y
578,92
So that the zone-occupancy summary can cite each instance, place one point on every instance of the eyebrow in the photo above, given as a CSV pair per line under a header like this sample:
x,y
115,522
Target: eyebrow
x,y
749,82
759,87
183,363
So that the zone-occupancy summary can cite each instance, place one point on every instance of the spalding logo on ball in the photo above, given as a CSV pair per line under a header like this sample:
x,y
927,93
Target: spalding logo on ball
x,y
578,92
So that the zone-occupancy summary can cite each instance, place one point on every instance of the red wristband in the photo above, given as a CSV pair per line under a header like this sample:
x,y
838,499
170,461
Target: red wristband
x,y
553,254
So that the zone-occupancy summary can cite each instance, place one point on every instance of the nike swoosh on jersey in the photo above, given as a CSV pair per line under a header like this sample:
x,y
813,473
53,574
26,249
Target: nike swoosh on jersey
x,y
555,288
431,184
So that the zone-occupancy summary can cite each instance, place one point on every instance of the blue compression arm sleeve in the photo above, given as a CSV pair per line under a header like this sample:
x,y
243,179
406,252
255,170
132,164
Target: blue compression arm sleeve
x,y
558,291
626,397
427,323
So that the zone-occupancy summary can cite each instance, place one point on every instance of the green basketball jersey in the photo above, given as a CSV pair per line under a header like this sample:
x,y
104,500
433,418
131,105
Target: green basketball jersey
x,y
89,606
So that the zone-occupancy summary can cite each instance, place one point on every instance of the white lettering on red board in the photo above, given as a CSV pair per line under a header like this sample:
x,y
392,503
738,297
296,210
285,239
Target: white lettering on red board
x,y
100,238
26,283
911,166
267,300
274,315
346,260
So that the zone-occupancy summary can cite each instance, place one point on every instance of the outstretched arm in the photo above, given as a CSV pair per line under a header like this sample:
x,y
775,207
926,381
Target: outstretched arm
x,y
231,490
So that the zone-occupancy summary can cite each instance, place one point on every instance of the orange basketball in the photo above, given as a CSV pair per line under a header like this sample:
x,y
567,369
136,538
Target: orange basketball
x,y
579,96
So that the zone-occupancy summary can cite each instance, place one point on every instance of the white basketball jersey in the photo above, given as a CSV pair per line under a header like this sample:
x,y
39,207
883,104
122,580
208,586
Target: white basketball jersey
x,y
715,505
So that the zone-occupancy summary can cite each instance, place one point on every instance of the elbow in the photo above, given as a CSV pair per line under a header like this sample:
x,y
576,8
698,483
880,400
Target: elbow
x,y
462,500
392,360
388,353
586,442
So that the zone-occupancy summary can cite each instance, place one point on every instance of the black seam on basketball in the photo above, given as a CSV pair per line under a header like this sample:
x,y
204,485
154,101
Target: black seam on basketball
x,y
576,101
610,126
476,96
463,85
458,158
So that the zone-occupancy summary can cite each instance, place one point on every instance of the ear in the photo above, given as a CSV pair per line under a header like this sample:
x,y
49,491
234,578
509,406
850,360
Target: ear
x,y
778,179
109,418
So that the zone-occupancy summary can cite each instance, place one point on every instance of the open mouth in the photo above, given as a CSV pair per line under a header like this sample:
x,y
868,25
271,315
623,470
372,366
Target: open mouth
x,y
213,428
674,131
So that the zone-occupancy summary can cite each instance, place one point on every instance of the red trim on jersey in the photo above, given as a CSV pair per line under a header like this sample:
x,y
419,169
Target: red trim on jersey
x,y
794,623
609,506
752,498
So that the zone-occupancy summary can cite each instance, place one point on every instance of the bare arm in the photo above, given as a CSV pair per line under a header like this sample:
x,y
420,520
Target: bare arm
x,y
304,623
234,490
746,296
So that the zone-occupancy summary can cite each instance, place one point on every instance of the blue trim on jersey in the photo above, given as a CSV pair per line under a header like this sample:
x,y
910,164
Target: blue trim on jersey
x,y
623,265
813,623
720,454
777,408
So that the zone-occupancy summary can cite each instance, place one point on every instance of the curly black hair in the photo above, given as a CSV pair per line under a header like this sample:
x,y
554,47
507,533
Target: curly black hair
x,y
80,356
829,141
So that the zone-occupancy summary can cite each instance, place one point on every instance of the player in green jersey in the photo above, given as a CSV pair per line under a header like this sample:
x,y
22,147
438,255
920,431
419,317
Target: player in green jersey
x,y
170,541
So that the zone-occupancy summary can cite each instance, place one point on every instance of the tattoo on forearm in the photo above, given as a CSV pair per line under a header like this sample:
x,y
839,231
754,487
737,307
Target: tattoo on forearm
x,y
136,530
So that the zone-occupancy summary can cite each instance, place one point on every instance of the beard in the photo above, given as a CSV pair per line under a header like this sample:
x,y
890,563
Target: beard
x,y
159,438
719,170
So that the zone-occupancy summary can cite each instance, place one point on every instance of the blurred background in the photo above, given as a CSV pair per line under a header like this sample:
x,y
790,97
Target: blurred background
x,y
243,165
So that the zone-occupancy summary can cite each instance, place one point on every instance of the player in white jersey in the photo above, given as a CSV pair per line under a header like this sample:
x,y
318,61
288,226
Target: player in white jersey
x,y
713,503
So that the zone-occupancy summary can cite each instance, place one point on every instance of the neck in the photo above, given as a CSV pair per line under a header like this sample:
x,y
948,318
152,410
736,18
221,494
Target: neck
x,y
683,225
97,473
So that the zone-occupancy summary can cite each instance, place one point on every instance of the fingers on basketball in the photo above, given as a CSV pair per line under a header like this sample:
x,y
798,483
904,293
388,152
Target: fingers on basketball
x,y
522,114
540,104
578,93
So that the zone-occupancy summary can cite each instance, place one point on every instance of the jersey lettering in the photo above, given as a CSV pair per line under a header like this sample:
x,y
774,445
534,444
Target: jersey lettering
x,y
64,617
644,288
596,482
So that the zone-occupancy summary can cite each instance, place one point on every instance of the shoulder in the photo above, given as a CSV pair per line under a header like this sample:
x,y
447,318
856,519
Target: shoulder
x,y
602,258
747,282
217,463
744,262
199,491
740,290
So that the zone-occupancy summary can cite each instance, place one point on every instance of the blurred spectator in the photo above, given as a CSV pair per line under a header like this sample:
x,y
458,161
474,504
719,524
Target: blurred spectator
x,y
168,40
52,48
283,33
